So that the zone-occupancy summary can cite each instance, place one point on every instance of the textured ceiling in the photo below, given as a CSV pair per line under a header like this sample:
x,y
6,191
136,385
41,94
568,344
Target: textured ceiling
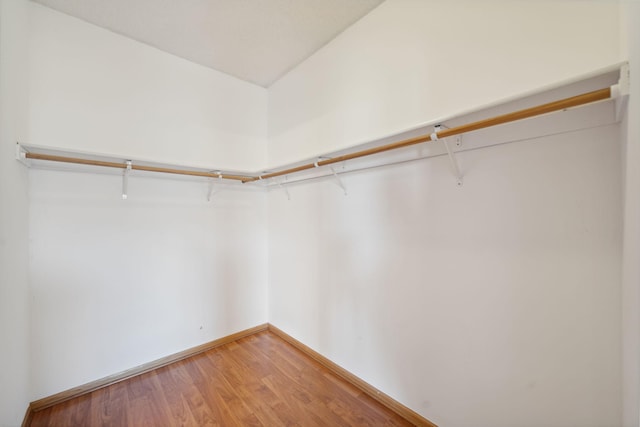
x,y
254,40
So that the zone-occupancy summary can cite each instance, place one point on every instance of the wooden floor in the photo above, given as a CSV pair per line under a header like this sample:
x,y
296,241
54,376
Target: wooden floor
x,y
257,381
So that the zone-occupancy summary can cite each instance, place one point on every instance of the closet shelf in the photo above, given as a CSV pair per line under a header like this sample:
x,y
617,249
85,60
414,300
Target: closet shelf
x,y
124,165
563,104
618,92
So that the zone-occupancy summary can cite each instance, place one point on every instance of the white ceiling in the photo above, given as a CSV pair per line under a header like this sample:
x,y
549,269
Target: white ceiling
x,y
254,40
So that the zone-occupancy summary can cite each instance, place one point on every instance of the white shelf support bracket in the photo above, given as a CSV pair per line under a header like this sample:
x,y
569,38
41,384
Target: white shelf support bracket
x,y
125,180
339,181
283,188
210,191
454,162
21,155
620,91
455,168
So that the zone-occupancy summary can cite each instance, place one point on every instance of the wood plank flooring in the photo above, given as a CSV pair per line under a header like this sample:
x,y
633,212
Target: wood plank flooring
x,y
259,380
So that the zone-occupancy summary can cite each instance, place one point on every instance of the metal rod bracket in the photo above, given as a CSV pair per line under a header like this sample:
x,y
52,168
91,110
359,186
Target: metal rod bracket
x,y
283,188
339,181
620,91
320,159
210,191
454,162
125,180
21,155
455,168
452,155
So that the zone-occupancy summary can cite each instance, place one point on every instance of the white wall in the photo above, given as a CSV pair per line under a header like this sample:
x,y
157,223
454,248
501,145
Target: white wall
x,y
495,304
14,286
116,284
630,13
410,62
120,283
93,90
492,304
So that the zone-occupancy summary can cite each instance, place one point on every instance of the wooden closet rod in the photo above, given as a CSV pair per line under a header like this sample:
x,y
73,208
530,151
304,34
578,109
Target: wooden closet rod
x,y
574,101
133,166
562,104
